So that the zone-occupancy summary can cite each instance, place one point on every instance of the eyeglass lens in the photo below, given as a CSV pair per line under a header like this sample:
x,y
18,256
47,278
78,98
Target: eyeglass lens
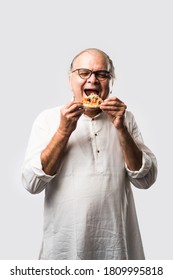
x,y
100,74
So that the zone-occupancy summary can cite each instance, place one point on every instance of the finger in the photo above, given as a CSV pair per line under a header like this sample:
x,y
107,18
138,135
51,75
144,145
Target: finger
x,y
113,108
73,112
74,116
73,108
114,98
78,112
113,103
73,104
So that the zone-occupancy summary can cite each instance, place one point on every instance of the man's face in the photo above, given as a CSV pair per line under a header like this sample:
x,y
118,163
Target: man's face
x,y
94,61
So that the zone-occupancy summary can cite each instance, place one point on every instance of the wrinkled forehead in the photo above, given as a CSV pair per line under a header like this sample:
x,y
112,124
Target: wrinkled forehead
x,y
91,59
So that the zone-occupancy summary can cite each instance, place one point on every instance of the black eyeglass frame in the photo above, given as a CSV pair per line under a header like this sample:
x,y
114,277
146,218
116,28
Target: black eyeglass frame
x,y
109,76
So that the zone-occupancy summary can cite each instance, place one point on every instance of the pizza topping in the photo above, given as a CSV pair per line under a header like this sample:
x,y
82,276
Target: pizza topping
x,y
92,101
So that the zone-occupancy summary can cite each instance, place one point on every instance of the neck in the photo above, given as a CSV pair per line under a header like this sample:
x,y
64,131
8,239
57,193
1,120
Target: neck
x,y
92,113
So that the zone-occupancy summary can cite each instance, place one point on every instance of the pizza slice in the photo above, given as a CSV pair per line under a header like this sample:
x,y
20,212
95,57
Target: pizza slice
x,y
92,101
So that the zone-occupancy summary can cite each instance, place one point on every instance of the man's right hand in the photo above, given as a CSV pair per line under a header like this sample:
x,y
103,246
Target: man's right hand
x,y
70,114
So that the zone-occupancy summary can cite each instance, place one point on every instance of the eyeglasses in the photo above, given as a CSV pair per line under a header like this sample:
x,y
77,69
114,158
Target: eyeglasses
x,y
86,74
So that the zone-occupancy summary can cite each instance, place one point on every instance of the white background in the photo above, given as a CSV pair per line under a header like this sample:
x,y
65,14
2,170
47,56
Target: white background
x,y
38,42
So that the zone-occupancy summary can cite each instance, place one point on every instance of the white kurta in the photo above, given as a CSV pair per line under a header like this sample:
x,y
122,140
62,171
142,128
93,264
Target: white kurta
x,y
89,208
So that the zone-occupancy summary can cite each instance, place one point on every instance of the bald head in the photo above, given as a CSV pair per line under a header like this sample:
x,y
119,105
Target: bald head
x,y
96,52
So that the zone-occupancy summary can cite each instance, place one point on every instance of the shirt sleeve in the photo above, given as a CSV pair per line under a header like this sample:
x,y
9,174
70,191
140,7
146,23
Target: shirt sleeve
x,y
147,174
146,166
34,178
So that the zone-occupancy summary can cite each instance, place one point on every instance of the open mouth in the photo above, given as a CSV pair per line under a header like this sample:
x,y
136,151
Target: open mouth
x,y
89,91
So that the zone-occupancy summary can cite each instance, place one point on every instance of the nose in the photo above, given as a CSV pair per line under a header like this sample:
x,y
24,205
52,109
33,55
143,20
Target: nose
x,y
93,78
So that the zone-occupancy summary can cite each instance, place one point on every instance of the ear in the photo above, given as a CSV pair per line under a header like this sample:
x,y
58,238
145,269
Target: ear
x,y
111,86
69,81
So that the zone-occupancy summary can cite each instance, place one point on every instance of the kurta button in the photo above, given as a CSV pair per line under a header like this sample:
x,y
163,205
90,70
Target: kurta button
x,y
98,151
96,134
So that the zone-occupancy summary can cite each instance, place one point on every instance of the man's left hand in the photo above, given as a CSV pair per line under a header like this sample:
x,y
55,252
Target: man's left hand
x,y
115,109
